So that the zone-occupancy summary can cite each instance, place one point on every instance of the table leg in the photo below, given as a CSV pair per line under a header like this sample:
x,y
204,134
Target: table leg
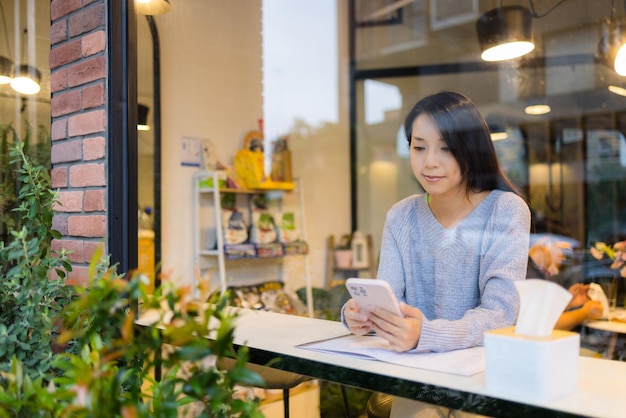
x,y
611,348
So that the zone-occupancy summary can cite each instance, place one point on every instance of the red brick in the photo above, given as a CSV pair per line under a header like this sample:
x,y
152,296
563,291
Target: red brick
x,y
87,123
66,151
58,80
87,225
79,276
60,8
58,177
91,247
94,201
93,96
86,71
87,19
64,103
59,129
85,175
64,54
58,32
93,148
69,201
59,223
93,43
74,248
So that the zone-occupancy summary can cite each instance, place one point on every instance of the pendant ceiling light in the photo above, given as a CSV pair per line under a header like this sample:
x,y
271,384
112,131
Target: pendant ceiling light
x,y
505,33
6,70
619,63
152,7
612,46
26,80
537,109
142,117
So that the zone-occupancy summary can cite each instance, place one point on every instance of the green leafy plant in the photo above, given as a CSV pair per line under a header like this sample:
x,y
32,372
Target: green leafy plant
x,y
109,365
35,145
32,289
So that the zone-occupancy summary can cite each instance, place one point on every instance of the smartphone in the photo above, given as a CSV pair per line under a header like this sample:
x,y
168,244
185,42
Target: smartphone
x,y
371,293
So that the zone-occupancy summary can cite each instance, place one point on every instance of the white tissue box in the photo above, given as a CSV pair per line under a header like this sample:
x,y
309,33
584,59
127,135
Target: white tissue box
x,y
531,368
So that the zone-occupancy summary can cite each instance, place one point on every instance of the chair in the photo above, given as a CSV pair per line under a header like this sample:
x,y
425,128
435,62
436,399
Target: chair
x,y
274,378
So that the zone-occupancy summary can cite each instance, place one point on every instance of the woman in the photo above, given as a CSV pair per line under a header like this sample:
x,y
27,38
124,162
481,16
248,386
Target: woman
x,y
453,253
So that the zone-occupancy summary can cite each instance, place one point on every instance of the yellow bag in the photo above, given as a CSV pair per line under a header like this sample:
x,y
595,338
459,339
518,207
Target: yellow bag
x,y
249,167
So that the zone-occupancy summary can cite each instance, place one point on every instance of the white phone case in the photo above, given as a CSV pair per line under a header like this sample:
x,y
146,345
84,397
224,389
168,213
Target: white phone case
x,y
371,293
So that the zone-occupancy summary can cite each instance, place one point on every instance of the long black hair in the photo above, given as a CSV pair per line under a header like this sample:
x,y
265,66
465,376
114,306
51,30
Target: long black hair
x,y
466,134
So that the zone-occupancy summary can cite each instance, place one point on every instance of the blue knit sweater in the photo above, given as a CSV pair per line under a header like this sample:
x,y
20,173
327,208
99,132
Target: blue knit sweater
x,y
461,278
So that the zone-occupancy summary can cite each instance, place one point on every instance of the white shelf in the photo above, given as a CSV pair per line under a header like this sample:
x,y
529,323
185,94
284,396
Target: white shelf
x,y
207,183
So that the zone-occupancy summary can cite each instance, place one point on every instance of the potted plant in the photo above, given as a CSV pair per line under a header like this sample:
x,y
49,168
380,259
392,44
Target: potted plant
x,y
343,252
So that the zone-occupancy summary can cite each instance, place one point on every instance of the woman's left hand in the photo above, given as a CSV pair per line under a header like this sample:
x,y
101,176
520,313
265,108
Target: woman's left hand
x,y
403,333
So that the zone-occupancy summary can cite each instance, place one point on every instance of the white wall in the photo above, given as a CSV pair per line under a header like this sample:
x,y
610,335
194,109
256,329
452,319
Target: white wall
x,y
211,74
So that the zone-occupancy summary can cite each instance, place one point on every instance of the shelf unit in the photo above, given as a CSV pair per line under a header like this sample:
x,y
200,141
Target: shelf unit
x,y
207,183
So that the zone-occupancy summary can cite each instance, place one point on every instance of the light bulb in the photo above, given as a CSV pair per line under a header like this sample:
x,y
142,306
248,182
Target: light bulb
x,y
617,90
620,60
152,7
538,109
26,80
498,136
25,85
507,51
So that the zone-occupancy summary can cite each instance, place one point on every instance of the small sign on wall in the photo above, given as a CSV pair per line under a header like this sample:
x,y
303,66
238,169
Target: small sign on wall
x,y
190,152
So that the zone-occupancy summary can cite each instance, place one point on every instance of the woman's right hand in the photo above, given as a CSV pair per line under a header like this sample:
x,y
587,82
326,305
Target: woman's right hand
x,y
357,321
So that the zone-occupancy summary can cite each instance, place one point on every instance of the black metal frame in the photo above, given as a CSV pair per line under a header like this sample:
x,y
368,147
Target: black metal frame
x,y
156,102
122,134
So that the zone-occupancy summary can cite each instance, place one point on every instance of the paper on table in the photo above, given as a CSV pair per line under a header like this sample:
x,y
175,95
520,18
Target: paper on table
x,y
461,362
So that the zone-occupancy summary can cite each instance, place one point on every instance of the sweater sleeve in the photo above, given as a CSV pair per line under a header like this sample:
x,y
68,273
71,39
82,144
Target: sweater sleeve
x,y
504,255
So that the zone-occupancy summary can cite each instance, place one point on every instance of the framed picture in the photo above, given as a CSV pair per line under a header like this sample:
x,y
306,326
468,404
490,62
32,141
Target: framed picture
x,y
370,13
445,14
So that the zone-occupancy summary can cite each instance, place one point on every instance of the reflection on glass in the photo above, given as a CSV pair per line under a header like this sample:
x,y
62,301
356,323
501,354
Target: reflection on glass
x,y
24,112
145,149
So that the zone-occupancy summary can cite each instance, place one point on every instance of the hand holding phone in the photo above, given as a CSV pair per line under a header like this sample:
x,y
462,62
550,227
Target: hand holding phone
x,y
370,294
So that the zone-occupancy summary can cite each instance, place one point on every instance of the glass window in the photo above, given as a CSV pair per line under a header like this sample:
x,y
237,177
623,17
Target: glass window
x,y
569,160
24,91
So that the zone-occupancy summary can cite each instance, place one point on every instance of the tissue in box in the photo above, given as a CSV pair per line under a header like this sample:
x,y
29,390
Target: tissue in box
x,y
531,368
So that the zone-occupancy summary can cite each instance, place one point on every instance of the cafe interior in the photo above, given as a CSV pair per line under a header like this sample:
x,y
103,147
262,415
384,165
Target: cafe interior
x,y
334,79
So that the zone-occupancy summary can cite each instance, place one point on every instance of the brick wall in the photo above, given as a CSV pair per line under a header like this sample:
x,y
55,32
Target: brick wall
x,y
78,66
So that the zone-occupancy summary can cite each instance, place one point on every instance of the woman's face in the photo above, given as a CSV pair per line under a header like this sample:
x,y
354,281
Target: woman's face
x,y
432,162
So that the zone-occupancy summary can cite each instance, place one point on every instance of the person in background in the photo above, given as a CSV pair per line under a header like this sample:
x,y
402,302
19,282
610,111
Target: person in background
x,y
580,309
545,260
453,253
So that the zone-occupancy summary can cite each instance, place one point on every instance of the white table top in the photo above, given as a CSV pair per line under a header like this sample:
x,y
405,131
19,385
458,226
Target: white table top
x,y
609,325
601,390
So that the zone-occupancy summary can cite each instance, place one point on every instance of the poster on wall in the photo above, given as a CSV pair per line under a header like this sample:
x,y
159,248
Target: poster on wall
x,y
606,148
190,152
